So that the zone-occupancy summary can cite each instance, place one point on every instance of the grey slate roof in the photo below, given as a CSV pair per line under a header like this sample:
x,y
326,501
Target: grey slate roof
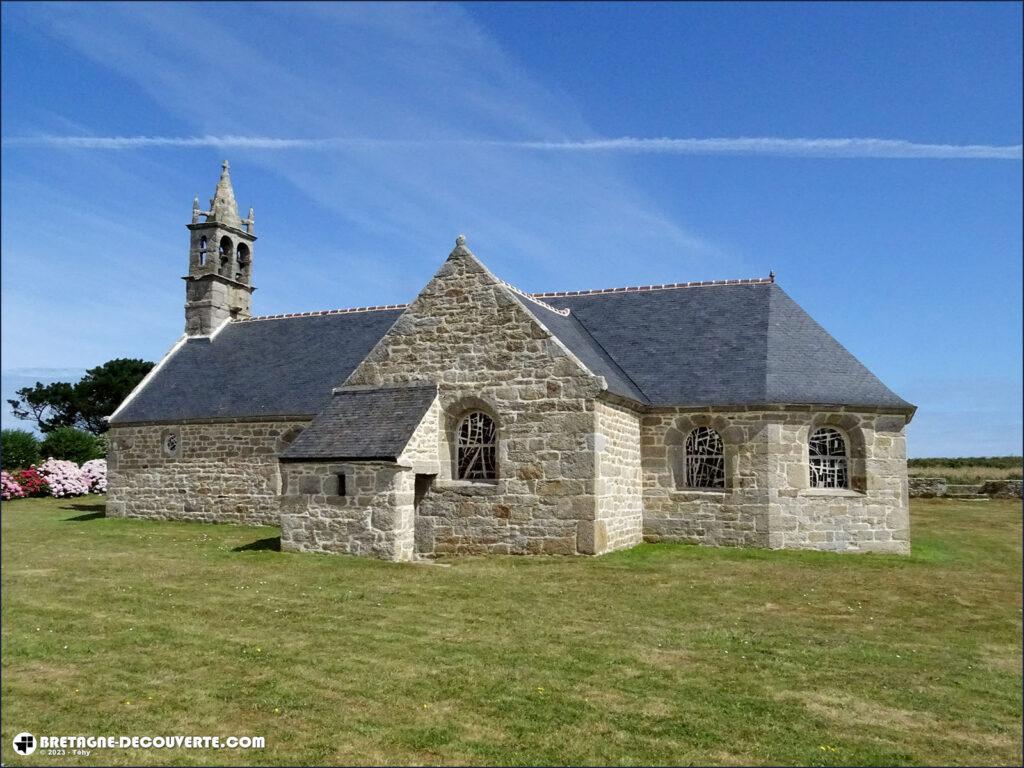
x,y
740,344
364,424
745,344
280,367
581,343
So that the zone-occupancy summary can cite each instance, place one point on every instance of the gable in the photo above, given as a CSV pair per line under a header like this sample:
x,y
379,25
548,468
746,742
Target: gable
x,y
469,328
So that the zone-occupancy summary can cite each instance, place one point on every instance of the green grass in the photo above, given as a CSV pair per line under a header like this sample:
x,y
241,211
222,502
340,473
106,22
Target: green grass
x,y
660,654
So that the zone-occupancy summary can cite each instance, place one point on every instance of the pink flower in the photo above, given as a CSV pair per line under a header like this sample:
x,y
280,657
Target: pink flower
x,y
64,478
9,488
95,473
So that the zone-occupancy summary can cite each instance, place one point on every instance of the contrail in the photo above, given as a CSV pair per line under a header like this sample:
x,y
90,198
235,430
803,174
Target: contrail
x,y
141,142
767,146
883,148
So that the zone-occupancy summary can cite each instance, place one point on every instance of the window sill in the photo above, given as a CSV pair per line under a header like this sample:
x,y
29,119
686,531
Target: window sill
x,y
703,492
833,492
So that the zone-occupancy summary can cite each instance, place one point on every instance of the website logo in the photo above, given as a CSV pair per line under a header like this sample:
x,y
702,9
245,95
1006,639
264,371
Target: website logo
x,y
24,743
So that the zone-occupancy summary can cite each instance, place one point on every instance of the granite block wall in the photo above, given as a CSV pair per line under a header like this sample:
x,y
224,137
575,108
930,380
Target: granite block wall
x,y
470,333
212,472
618,479
373,518
768,500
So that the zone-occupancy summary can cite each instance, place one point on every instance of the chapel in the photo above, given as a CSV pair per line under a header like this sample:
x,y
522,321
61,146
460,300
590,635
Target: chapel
x,y
480,418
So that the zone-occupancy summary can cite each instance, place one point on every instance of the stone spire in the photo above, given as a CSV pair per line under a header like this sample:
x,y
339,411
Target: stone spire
x,y
218,285
223,208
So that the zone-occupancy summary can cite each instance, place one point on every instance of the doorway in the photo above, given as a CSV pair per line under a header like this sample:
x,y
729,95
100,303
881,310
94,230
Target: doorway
x,y
422,530
423,483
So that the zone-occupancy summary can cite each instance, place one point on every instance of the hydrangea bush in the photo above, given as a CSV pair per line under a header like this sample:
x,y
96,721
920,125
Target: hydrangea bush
x,y
9,488
95,473
64,478
31,482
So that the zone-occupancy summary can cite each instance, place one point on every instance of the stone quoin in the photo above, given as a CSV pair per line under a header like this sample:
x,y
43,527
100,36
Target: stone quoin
x,y
480,418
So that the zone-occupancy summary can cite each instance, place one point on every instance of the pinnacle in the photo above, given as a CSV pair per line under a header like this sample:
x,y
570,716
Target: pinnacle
x,y
223,207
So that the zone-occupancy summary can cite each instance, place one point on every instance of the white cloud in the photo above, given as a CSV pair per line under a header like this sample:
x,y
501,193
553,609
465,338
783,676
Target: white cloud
x,y
773,146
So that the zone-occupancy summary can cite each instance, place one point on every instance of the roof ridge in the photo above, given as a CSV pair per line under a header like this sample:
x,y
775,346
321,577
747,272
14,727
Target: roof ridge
x,y
661,287
536,298
317,313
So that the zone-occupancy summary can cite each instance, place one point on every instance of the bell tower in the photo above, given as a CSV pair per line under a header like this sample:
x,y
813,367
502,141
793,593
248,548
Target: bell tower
x,y
218,285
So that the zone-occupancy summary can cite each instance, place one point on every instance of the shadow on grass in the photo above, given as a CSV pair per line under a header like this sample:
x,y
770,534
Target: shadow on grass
x,y
98,507
271,544
85,518
93,512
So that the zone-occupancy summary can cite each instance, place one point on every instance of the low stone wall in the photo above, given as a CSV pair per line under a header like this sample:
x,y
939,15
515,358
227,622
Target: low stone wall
x,y
938,487
927,487
1003,489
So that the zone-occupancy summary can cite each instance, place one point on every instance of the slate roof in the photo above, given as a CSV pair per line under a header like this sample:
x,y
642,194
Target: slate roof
x,y
742,344
280,367
364,424
747,343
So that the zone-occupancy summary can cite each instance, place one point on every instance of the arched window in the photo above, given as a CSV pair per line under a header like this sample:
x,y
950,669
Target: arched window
x,y
202,252
226,250
242,254
705,459
827,452
477,447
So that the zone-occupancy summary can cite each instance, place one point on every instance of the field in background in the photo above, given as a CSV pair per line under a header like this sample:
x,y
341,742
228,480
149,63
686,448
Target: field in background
x,y
660,654
968,470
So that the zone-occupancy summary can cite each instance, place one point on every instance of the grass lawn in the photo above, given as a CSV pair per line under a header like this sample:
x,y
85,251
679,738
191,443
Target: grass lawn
x,y
661,654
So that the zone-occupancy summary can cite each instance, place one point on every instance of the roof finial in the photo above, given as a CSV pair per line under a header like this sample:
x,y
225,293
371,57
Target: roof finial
x,y
771,275
225,166
460,241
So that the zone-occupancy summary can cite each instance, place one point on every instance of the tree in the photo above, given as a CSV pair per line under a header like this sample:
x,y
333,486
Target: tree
x,y
19,448
50,405
85,404
71,444
105,387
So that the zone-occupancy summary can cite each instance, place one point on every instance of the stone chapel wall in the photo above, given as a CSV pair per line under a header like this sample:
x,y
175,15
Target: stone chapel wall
x,y
735,516
218,472
374,517
468,334
618,478
874,516
767,500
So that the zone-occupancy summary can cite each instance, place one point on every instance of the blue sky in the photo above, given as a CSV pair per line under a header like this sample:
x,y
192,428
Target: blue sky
x,y
407,125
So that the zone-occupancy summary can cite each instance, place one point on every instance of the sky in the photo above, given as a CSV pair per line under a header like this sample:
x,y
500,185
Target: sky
x,y
868,154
